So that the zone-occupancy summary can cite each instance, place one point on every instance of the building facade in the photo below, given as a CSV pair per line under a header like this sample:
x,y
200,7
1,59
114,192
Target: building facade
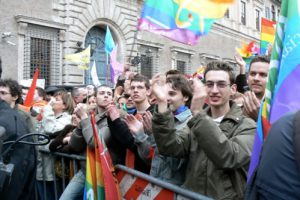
x,y
38,33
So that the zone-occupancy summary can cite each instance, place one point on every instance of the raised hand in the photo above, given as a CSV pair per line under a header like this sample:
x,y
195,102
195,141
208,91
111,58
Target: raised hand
x,y
199,95
81,111
134,125
242,64
251,105
147,122
158,88
112,112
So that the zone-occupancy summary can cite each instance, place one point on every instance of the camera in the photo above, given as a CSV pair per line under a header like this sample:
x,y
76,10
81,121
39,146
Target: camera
x,y
6,171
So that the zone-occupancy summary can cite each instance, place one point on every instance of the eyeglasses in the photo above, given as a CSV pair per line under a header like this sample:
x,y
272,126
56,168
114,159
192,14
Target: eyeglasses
x,y
220,84
4,93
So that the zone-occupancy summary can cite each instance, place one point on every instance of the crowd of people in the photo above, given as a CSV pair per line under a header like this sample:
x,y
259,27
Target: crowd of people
x,y
193,133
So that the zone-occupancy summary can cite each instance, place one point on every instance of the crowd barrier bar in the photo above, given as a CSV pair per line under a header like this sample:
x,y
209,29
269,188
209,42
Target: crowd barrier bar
x,y
132,175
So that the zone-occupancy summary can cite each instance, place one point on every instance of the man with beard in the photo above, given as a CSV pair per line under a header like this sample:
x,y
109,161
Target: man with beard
x,y
217,141
257,80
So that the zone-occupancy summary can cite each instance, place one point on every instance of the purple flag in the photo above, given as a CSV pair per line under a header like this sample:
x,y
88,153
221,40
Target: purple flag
x,y
116,68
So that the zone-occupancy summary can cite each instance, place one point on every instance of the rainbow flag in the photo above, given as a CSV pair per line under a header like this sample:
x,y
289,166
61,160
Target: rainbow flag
x,y
267,35
181,20
247,52
94,183
283,84
100,182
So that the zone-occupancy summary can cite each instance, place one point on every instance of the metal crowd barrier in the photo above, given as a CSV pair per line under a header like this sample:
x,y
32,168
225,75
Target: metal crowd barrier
x,y
59,184
133,184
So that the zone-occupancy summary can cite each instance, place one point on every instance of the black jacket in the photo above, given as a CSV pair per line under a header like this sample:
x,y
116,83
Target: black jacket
x,y
22,156
121,133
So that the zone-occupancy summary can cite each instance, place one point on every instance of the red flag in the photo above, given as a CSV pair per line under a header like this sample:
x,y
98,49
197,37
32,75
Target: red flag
x,y
111,185
30,94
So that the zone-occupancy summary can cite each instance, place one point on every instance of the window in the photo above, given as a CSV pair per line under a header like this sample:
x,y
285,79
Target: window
x,y
95,39
146,60
181,66
40,57
42,49
146,64
273,13
243,12
267,12
257,20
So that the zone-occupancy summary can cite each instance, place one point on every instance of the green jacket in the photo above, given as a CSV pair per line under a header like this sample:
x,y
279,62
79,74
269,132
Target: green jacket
x,y
218,157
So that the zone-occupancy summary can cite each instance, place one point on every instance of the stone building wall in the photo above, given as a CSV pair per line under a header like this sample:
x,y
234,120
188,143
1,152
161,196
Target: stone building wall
x,y
66,23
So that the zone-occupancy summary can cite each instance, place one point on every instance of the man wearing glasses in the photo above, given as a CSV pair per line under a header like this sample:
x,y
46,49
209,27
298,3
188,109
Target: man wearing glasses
x,y
220,141
11,93
17,123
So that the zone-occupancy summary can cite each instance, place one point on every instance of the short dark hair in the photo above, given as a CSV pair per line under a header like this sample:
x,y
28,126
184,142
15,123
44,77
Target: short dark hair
x,y
106,86
14,88
260,58
41,92
173,72
141,78
179,82
220,66
103,85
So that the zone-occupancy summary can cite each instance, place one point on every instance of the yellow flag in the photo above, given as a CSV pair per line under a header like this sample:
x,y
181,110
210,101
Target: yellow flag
x,y
82,59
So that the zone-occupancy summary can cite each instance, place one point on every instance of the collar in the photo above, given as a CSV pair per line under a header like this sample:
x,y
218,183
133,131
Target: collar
x,y
99,116
235,112
131,110
183,115
180,110
150,108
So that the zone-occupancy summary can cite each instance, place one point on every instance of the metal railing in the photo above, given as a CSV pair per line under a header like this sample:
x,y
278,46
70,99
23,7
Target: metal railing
x,y
179,192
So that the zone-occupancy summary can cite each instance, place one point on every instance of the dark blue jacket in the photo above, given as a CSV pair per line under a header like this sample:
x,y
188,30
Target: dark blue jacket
x,y
277,176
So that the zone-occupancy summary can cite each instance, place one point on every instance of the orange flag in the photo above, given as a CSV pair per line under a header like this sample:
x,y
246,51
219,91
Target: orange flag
x,y
30,94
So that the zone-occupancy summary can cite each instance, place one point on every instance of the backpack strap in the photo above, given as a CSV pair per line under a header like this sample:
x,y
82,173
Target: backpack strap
x,y
296,138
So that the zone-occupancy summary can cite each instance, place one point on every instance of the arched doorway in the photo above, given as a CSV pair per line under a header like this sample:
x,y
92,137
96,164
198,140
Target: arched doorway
x,y
95,38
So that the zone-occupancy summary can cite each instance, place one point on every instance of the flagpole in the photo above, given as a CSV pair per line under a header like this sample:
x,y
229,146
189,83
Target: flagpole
x,y
90,73
107,68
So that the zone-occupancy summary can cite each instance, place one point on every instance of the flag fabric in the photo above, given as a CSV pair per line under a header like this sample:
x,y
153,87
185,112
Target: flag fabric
x,y
247,52
116,68
100,182
29,98
267,35
283,84
94,183
200,72
94,75
181,20
82,59
109,43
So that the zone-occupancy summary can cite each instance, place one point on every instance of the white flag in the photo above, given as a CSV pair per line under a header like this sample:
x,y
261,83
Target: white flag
x,y
94,75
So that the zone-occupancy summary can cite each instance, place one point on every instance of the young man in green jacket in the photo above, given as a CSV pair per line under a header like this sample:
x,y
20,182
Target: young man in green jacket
x,y
220,141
